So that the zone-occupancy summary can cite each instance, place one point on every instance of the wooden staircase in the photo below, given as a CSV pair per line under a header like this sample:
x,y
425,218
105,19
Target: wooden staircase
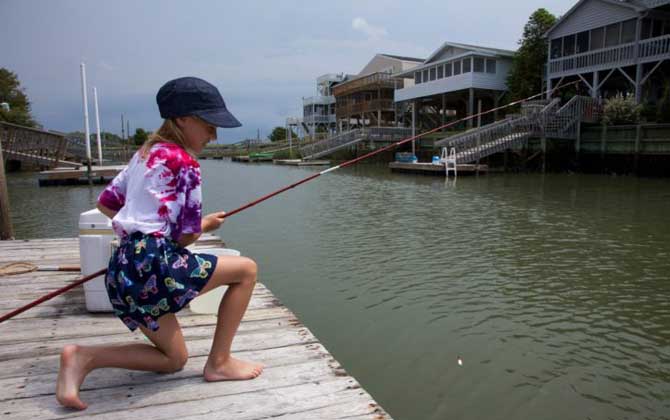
x,y
537,119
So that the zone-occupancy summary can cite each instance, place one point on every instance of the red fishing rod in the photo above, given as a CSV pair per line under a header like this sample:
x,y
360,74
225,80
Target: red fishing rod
x,y
288,187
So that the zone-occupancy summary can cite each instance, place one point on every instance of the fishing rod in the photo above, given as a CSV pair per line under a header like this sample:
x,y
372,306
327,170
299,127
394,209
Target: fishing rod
x,y
288,187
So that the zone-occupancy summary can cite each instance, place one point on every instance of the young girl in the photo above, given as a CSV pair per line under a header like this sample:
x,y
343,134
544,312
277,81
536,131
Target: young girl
x,y
155,207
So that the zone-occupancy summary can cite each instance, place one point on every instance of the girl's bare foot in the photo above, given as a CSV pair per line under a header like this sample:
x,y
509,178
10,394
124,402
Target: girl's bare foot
x,y
71,375
232,369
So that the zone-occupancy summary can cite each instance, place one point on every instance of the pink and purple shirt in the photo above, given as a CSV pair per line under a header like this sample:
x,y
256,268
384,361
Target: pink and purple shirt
x,y
159,194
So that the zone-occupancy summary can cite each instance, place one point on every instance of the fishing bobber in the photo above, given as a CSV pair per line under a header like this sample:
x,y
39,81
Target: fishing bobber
x,y
95,249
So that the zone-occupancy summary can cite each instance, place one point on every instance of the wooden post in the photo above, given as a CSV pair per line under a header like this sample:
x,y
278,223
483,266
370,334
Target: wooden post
x,y
543,145
6,231
578,142
413,127
638,138
471,106
603,145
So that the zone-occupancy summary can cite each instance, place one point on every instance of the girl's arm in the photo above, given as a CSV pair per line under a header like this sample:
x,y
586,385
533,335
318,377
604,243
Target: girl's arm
x,y
209,223
106,211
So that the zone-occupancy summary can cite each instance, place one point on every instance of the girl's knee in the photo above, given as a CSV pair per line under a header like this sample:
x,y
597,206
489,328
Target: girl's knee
x,y
176,361
250,270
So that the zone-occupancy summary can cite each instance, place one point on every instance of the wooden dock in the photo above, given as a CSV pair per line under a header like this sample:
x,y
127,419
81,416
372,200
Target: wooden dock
x,y
300,162
68,176
248,159
301,379
428,168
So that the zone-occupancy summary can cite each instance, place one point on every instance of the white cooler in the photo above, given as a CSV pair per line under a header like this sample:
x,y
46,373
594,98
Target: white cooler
x,y
95,249
209,302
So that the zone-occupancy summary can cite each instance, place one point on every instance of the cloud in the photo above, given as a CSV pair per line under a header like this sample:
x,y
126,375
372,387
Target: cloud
x,y
106,66
372,32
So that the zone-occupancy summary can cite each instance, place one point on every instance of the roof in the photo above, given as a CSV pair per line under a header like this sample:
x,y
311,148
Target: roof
x,y
402,58
475,48
636,5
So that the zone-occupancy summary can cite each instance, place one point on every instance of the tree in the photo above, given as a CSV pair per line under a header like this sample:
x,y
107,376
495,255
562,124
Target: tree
x,y
140,136
13,95
525,77
279,134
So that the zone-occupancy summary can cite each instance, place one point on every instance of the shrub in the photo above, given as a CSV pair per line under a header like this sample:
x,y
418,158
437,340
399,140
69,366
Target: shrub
x,y
663,106
621,109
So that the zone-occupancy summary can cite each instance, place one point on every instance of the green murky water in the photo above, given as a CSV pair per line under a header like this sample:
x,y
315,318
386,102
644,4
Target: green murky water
x,y
554,290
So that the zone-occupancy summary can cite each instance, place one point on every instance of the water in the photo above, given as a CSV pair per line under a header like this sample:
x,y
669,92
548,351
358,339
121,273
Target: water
x,y
553,290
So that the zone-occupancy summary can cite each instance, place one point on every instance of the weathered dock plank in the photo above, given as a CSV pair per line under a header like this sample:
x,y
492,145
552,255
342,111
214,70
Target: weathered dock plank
x,y
301,379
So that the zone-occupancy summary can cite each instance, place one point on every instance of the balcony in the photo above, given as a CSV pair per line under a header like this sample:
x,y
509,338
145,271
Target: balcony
x,y
319,119
373,81
651,49
366,106
318,100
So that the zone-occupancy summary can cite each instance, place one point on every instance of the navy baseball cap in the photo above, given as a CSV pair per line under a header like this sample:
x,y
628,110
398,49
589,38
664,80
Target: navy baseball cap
x,y
189,96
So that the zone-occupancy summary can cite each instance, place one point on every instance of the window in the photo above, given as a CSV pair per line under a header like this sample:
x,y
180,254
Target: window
x,y
432,73
612,35
425,76
466,65
646,29
440,72
597,38
582,42
556,47
447,70
490,65
657,28
569,45
628,31
457,67
417,77
478,65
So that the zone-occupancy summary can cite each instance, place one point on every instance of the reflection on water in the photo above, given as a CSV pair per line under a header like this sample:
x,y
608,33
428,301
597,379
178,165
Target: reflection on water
x,y
554,290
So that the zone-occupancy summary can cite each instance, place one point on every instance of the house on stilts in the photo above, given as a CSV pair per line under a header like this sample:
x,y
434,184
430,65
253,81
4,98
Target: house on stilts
x,y
612,46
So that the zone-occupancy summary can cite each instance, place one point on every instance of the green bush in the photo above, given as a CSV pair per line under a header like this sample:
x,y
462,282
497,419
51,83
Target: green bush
x,y
621,109
663,106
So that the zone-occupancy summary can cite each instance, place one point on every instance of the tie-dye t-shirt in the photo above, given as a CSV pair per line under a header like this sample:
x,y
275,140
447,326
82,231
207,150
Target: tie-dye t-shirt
x,y
159,194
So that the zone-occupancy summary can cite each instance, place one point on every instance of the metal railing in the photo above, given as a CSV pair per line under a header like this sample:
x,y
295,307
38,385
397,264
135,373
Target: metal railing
x,y
552,120
33,146
349,138
621,55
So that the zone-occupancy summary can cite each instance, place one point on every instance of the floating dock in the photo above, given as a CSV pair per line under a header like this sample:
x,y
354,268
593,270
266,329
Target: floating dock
x,y
301,379
248,159
300,162
70,176
428,168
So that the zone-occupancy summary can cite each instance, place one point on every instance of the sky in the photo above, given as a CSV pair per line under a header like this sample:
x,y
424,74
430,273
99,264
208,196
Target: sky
x,y
264,56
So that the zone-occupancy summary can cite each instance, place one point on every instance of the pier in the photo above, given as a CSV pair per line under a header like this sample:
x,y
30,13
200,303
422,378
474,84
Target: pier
x,y
67,176
301,379
428,168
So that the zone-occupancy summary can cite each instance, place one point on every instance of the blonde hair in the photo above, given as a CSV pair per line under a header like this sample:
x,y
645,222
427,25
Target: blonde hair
x,y
169,132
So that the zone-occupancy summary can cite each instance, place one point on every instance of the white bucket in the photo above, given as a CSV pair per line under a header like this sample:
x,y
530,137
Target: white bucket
x,y
209,302
95,238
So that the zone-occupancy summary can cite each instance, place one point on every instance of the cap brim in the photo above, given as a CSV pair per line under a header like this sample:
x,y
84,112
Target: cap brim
x,y
219,118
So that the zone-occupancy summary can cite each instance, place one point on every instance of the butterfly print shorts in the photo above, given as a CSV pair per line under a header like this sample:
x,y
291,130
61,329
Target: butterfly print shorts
x,y
149,276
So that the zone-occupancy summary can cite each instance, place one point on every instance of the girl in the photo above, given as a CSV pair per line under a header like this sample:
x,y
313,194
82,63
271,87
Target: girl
x,y
155,207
